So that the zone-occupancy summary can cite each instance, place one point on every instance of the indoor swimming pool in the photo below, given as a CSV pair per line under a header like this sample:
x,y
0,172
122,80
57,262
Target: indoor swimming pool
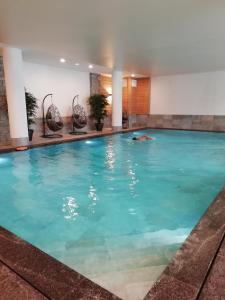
x,y
114,209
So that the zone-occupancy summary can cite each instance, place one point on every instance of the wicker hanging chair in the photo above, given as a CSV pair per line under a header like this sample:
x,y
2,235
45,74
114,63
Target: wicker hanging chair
x,y
52,119
79,118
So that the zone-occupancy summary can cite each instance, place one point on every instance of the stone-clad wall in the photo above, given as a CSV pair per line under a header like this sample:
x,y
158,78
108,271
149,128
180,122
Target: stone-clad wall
x,y
4,123
189,122
210,123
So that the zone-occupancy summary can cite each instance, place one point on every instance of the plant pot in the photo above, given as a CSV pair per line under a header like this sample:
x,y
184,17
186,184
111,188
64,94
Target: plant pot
x,y
99,126
30,134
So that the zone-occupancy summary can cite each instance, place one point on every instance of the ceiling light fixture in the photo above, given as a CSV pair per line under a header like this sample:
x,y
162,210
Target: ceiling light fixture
x,y
77,64
132,75
62,60
90,66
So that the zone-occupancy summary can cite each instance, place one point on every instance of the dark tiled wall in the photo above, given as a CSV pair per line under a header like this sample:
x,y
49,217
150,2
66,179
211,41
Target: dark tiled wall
x,y
4,123
190,122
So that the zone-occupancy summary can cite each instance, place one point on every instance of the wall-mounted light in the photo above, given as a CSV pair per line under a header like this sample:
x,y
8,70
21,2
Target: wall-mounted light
x,y
132,75
134,83
62,60
90,66
109,97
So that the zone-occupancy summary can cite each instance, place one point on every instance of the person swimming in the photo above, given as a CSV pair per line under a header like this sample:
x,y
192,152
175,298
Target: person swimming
x,y
142,138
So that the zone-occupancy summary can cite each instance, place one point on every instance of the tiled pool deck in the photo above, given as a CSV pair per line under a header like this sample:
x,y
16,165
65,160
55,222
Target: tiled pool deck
x,y
197,272
66,138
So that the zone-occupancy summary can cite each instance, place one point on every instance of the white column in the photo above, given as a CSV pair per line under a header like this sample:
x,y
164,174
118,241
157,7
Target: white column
x,y
14,80
117,94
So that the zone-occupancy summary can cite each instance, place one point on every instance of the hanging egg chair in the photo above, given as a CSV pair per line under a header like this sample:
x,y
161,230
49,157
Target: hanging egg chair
x,y
79,118
52,119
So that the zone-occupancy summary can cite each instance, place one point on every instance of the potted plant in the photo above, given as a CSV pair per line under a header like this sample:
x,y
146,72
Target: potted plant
x,y
98,104
31,105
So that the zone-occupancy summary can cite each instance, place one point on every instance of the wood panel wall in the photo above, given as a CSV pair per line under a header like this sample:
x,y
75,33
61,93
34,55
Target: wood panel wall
x,y
106,88
105,84
136,100
142,103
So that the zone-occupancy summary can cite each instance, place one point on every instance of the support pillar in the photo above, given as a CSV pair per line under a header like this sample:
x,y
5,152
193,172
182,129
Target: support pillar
x,y
14,81
117,94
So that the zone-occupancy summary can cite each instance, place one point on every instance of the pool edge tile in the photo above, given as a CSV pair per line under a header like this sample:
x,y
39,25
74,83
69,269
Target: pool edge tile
x,y
13,286
214,287
169,288
41,142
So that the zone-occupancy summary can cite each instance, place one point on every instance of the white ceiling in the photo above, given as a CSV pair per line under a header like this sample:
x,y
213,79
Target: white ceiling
x,y
151,37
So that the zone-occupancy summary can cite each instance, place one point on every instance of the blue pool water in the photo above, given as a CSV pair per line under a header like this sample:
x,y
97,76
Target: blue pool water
x,y
114,209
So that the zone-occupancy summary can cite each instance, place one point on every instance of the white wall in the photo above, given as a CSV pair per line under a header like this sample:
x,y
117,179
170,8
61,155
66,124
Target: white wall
x,y
189,94
63,83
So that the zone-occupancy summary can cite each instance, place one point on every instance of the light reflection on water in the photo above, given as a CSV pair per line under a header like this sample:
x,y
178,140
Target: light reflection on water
x,y
93,197
133,178
110,155
70,208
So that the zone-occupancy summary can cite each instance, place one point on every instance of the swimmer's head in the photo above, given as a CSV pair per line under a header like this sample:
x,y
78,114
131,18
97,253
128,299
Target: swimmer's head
x,y
134,138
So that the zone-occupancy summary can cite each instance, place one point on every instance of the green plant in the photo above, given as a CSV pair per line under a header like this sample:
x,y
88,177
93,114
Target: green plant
x,y
31,105
98,104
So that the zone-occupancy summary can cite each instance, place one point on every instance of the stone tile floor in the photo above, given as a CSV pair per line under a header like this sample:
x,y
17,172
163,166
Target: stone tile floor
x,y
38,141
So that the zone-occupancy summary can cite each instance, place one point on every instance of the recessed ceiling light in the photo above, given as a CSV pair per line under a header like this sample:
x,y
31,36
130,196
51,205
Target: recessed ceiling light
x,y
132,75
77,64
62,60
90,66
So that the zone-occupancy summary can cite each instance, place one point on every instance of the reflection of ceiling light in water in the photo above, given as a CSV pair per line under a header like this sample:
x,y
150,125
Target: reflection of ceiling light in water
x,y
132,211
110,156
136,133
93,197
92,193
70,208
89,142
133,178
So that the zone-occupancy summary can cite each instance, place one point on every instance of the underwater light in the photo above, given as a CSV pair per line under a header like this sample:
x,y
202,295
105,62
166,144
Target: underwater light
x,y
3,160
